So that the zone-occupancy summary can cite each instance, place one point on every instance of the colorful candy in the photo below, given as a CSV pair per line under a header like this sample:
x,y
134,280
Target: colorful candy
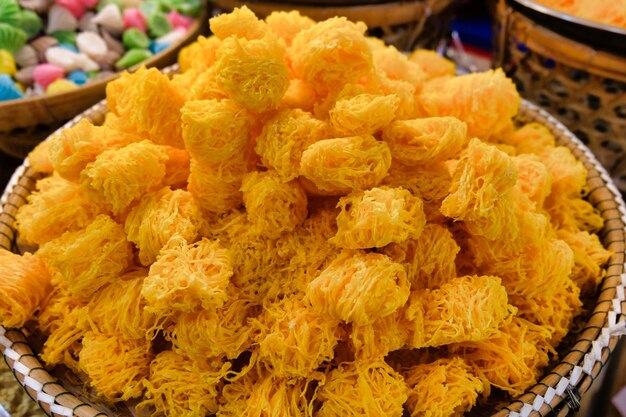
x,y
136,39
53,46
133,57
11,38
60,86
59,18
7,63
8,89
134,18
45,74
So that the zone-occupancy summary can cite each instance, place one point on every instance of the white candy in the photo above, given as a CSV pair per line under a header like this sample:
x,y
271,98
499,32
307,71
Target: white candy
x,y
63,58
110,17
70,61
59,18
173,37
87,64
91,44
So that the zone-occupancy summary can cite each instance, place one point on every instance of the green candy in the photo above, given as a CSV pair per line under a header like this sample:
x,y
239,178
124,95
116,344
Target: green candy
x,y
93,74
132,57
67,37
10,13
158,25
103,3
150,7
31,23
11,38
135,39
191,8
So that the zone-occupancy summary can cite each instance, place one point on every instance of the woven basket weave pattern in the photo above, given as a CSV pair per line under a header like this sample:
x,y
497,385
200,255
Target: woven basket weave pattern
x,y
557,393
570,84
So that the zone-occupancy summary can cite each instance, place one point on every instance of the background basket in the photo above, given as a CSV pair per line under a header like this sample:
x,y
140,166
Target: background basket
x,y
26,122
577,74
404,24
557,393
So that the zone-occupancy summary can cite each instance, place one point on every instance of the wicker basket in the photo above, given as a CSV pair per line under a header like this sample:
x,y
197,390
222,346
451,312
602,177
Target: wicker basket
x,y
404,24
26,122
578,75
558,392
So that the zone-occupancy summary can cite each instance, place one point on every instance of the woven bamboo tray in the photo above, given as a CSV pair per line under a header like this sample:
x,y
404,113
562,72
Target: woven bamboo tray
x,y
556,394
26,122
576,70
404,24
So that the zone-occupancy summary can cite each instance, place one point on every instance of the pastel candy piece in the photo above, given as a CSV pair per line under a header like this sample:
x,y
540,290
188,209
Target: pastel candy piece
x,y
191,8
173,37
59,18
25,75
158,25
76,7
64,58
11,38
39,6
112,43
20,86
86,63
7,62
149,8
110,17
156,47
91,44
179,21
78,77
133,57
67,37
135,39
44,74
60,86
134,18
8,89
31,23
10,13
86,24
67,47
41,45
26,57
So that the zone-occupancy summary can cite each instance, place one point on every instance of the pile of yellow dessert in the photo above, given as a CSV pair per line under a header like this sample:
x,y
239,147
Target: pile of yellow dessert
x,y
304,222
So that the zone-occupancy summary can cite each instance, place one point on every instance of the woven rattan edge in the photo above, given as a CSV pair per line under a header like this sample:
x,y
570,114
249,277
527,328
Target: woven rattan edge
x,y
557,393
549,43
560,391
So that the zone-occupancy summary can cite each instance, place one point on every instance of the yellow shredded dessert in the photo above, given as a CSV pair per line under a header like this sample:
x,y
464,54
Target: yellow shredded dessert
x,y
304,222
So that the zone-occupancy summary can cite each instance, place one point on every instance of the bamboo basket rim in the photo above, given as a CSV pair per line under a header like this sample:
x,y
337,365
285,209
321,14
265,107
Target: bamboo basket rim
x,y
562,49
50,102
388,13
557,393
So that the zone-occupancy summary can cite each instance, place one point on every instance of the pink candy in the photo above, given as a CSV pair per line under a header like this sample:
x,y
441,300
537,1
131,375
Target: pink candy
x,y
76,7
179,21
134,18
46,74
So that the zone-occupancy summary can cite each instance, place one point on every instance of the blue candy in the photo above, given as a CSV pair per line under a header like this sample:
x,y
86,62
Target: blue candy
x,y
8,89
78,77
68,47
156,47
